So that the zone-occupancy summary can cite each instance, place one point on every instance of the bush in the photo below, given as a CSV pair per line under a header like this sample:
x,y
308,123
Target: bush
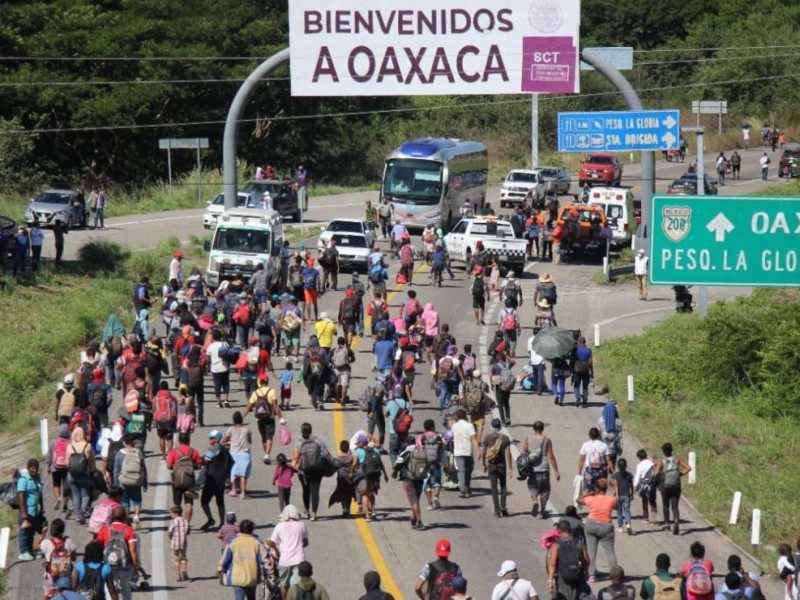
x,y
102,255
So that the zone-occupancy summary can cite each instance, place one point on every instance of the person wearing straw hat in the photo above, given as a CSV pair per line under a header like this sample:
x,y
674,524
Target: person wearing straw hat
x,y
544,314
640,262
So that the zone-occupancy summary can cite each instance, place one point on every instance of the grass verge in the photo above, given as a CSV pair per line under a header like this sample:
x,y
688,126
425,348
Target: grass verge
x,y
742,439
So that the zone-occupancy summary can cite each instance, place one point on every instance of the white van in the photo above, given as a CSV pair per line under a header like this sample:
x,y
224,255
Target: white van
x,y
617,203
243,239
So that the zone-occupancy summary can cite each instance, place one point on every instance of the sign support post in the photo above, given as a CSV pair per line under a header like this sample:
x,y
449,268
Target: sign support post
x,y
534,130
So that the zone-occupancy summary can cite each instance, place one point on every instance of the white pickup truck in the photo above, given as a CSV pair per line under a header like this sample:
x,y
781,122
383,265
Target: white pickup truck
x,y
498,241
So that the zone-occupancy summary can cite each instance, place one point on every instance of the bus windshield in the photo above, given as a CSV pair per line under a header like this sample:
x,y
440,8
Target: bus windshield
x,y
245,241
416,181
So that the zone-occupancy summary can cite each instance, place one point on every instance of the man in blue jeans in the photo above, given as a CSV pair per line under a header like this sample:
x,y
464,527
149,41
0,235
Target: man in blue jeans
x,y
449,374
583,370
397,441
31,508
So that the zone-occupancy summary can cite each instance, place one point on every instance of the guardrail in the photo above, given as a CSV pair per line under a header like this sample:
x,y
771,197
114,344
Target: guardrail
x,y
613,272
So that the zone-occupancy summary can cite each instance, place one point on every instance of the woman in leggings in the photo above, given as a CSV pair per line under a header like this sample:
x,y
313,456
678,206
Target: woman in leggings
x,y
669,471
307,459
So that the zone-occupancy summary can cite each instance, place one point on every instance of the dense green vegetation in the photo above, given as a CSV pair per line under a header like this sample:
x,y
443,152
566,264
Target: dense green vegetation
x,y
725,388
89,86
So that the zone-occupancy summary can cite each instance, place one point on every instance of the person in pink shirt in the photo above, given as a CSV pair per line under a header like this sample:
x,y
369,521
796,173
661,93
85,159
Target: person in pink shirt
x,y
697,573
290,539
430,319
283,478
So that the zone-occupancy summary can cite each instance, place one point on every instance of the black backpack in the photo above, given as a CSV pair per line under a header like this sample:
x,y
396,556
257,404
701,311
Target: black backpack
x,y
91,587
570,560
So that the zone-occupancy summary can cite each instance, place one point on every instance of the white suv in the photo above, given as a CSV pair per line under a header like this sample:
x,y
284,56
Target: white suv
x,y
518,183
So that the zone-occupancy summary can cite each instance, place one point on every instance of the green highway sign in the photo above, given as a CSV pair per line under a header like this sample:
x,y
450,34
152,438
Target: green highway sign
x,y
716,240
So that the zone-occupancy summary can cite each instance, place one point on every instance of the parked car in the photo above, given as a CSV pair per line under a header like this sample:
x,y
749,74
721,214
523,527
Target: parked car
x,y
343,225
686,185
354,250
53,205
600,168
217,206
790,155
280,194
556,179
518,183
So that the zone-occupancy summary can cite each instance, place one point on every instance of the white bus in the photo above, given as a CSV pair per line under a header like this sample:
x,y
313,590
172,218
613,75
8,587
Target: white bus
x,y
426,180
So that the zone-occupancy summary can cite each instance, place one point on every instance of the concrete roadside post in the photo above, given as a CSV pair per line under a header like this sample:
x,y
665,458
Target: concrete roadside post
x,y
5,535
630,388
755,534
44,436
596,335
693,466
737,501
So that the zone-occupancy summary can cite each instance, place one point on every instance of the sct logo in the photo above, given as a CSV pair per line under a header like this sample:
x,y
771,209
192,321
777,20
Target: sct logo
x,y
676,221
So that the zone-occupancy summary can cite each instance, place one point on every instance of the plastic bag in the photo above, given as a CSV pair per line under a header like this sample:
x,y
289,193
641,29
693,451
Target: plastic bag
x,y
285,436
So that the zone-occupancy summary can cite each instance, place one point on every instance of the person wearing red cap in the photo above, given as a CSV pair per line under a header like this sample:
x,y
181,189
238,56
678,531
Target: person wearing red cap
x,y
437,575
348,315
99,396
176,267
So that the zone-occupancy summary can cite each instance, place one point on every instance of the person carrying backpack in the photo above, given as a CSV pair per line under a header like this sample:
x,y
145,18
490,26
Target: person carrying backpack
x,y
662,585
435,582
341,359
57,463
307,458
66,399
479,294
567,564
508,323
372,585
593,460
183,461
512,290
130,474
496,463
263,403
348,315
306,588
315,365
618,590
59,556
99,396
476,401
329,259
669,471
697,574
92,578
546,289
541,458
433,446
165,417
80,466
448,373
644,484
399,416
504,381
368,461
120,551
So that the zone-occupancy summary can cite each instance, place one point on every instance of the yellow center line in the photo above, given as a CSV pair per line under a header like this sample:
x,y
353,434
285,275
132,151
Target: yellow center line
x,y
389,583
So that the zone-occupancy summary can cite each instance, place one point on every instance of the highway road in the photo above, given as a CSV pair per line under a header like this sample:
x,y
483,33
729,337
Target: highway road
x,y
341,550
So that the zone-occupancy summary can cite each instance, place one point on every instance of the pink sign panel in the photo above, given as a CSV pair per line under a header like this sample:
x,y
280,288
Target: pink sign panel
x,y
548,65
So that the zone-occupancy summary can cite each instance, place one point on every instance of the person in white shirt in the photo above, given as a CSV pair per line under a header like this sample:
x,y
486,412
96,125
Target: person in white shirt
x,y
640,271
594,461
219,370
649,506
36,236
512,586
465,449
538,363
764,163
176,268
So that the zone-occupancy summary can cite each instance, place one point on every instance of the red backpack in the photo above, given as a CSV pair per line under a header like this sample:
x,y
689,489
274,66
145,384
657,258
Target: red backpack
x,y
164,414
60,454
412,307
407,255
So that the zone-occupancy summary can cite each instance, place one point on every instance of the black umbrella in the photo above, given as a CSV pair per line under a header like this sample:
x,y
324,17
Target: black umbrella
x,y
553,342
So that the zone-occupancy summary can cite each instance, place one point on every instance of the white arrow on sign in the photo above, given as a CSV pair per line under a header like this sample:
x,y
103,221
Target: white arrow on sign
x,y
669,139
720,225
669,122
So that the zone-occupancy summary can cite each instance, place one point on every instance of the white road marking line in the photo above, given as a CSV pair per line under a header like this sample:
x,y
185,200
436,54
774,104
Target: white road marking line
x,y
157,557
635,314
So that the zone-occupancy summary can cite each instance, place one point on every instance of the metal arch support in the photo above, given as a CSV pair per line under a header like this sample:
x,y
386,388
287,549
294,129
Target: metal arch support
x,y
634,103
235,112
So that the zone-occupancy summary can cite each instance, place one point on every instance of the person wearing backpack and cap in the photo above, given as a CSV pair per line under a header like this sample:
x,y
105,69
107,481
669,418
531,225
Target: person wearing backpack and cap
x,y
617,590
545,288
120,551
80,467
57,463
512,585
496,463
264,404
566,568
438,574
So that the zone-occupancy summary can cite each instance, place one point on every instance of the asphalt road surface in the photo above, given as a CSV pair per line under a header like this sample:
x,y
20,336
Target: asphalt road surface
x,y
341,550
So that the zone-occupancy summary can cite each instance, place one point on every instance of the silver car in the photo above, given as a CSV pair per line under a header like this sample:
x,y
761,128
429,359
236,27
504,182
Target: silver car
x,y
354,250
556,179
54,205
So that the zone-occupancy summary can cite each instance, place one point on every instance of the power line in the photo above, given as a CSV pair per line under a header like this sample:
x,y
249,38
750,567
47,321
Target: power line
x,y
555,98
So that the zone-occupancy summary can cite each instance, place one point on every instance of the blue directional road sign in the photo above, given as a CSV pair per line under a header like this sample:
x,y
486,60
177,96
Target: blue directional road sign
x,y
619,131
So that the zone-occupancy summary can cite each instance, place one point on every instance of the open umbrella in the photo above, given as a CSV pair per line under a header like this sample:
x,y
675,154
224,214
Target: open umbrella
x,y
553,342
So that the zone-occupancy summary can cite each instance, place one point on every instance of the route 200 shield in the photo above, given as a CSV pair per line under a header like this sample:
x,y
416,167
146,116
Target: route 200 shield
x,y
676,221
